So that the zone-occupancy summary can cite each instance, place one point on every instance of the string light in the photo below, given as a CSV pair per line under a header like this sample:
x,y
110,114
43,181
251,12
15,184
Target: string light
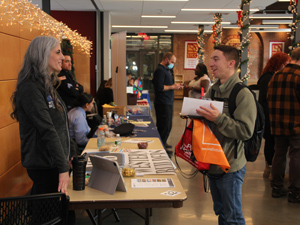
x,y
217,29
243,17
24,12
294,25
200,38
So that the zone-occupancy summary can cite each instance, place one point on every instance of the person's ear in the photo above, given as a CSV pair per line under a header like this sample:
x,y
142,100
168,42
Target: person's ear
x,y
231,63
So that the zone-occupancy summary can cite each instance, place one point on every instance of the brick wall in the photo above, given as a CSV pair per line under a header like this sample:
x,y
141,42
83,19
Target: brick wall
x,y
258,51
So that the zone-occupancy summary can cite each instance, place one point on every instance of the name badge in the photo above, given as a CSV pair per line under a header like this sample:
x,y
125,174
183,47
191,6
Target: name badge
x,y
50,102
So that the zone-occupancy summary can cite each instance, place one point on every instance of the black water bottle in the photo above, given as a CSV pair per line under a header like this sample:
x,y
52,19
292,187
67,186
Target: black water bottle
x,y
79,167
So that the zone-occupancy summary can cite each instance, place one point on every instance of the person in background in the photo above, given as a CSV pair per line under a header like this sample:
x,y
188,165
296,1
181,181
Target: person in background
x,y
226,189
69,89
201,80
164,96
131,82
277,62
128,77
79,128
284,110
104,95
42,116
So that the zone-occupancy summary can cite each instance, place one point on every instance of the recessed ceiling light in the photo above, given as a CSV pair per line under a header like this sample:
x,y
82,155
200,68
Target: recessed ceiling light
x,y
149,16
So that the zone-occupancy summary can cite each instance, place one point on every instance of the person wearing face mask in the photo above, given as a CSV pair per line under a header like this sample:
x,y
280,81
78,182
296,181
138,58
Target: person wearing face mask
x,y
164,87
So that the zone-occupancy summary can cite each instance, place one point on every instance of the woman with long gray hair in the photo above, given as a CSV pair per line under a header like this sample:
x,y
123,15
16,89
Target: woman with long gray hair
x,y
43,123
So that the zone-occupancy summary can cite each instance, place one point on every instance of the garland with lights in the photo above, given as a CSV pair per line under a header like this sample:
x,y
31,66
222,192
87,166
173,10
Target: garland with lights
x,y
217,29
23,12
245,41
293,9
200,38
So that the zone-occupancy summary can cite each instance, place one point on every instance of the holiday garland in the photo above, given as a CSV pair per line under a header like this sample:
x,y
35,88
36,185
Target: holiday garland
x,y
293,9
200,40
245,40
217,29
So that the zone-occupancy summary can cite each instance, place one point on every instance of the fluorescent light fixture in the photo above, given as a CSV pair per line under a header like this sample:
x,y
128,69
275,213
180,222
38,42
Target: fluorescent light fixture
x,y
154,0
193,22
264,26
149,16
217,10
231,27
138,26
287,30
271,16
277,21
252,27
187,31
283,0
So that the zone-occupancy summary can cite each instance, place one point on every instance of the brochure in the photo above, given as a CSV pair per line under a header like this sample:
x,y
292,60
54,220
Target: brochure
x,y
152,183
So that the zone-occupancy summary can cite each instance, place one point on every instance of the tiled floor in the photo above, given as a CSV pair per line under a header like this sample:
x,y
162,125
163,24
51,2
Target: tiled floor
x,y
259,207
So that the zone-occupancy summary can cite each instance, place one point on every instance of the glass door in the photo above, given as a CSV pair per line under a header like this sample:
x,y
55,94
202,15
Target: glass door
x,y
133,63
148,64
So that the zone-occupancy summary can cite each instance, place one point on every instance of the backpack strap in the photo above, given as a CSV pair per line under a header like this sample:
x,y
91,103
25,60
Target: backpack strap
x,y
232,105
232,97
212,95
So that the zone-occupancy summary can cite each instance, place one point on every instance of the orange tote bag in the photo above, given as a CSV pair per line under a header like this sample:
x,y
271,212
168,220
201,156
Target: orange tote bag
x,y
206,146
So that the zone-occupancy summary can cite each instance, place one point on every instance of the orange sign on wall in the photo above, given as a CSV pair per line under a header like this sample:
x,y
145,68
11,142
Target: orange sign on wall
x,y
276,46
190,56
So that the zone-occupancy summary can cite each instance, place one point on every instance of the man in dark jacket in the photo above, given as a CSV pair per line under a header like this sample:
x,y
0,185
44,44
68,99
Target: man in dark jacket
x,y
69,89
164,87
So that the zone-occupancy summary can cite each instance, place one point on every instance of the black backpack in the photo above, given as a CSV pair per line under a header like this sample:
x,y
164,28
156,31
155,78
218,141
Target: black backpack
x,y
252,145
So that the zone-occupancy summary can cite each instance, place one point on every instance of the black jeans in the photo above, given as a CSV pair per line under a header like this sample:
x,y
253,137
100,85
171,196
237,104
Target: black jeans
x,y
269,149
44,181
164,116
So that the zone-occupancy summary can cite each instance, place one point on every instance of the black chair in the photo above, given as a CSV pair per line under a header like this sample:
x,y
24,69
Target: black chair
x,y
43,209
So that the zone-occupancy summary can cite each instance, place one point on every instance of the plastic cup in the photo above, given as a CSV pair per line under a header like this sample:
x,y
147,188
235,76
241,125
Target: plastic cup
x,y
108,114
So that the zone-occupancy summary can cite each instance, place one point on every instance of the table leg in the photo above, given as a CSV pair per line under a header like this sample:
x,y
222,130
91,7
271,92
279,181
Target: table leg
x,y
99,216
147,216
91,216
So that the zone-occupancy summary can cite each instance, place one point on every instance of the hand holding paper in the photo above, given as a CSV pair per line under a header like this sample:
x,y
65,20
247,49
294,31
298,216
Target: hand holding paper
x,y
190,105
210,114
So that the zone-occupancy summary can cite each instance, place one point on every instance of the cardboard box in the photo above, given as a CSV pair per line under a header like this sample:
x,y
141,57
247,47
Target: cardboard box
x,y
121,110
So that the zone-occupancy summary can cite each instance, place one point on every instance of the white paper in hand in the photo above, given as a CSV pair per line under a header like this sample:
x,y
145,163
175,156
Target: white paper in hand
x,y
190,105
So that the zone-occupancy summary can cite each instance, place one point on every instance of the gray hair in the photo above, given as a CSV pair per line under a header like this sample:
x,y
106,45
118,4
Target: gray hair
x,y
35,68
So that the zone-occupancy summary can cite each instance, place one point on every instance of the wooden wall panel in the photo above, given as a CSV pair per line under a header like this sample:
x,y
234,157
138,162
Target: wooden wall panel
x,y
23,47
82,70
10,58
7,28
27,34
15,182
10,147
6,90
